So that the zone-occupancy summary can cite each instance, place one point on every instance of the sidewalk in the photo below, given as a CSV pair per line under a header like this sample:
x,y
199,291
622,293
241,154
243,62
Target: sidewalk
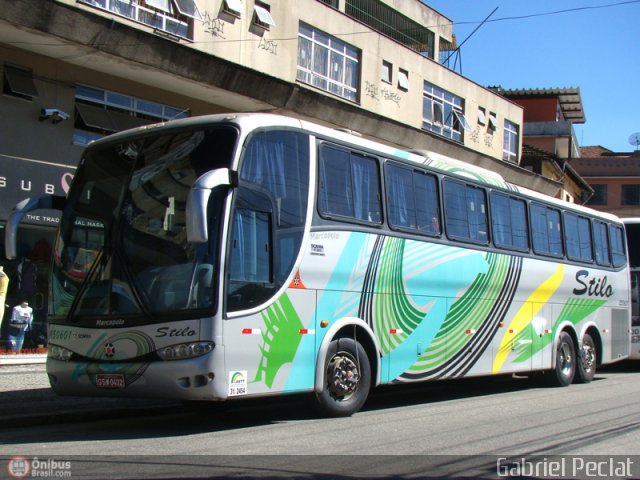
x,y
22,359
27,398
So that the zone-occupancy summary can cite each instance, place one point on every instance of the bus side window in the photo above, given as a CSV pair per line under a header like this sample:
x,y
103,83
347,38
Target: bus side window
x,y
270,210
509,222
618,256
577,234
465,212
412,197
349,185
546,231
250,263
601,242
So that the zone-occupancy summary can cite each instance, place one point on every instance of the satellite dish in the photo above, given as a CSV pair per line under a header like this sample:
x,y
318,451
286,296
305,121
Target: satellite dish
x,y
634,139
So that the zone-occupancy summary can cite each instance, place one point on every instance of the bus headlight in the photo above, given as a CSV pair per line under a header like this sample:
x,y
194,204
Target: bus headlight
x,y
185,350
59,353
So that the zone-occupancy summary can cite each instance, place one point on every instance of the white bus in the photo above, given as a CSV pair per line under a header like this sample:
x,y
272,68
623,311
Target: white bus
x,y
243,255
632,226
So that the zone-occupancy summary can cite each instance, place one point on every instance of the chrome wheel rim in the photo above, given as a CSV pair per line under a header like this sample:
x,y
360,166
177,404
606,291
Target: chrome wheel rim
x,y
566,359
588,357
343,375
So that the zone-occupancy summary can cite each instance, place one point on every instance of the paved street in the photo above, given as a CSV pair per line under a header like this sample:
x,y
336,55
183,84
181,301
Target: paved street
x,y
27,399
457,426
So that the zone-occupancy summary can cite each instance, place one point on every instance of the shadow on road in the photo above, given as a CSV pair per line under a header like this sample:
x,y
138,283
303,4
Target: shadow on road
x,y
189,419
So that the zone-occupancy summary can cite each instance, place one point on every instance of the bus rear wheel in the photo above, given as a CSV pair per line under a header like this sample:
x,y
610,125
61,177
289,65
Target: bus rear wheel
x,y
565,367
586,368
347,379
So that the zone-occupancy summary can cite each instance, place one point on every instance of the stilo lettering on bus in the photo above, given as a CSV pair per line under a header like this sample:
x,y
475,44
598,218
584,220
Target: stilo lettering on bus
x,y
592,286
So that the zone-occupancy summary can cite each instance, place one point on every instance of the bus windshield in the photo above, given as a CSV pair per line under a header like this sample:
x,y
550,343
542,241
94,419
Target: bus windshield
x,y
122,249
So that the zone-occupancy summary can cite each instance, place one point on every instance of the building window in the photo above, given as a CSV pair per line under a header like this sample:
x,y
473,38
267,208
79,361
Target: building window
x,y
600,194
262,16
387,72
630,195
331,3
493,122
233,7
102,112
172,16
18,82
442,112
327,63
403,80
482,116
511,142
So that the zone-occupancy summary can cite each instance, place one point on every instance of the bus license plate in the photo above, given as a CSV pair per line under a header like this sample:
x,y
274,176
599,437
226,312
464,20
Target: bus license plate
x,y
109,381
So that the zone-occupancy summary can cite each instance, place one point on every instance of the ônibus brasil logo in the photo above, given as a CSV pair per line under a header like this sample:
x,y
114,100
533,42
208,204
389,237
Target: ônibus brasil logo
x,y
19,467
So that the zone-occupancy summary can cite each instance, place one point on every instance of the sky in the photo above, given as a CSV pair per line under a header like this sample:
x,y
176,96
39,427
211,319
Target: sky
x,y
590,44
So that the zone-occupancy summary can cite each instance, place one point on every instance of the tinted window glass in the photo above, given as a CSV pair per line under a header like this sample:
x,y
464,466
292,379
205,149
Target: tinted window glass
x,y
601,243
465,211
269,215
578,238
412,197
509,222
349,185
545,228
618,256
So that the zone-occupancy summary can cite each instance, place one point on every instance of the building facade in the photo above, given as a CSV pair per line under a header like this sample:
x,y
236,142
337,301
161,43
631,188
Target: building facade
x,y
76,70
614,177
549,139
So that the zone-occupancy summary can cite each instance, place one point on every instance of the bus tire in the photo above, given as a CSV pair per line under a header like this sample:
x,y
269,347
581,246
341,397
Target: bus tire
x,y
347,379
565,367
587,360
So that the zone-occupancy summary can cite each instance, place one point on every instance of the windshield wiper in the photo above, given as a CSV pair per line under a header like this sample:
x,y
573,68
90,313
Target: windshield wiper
x,y
101,258
139,295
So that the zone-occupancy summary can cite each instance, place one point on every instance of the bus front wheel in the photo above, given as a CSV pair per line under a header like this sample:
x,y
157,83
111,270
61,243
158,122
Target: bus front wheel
x,y
565,367
347,378
587,360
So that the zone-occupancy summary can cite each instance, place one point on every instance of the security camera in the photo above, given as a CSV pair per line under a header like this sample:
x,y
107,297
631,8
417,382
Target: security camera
x,y
54,114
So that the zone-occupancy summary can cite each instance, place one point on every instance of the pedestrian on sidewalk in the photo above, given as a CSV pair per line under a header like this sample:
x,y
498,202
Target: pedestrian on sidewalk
x,y
4,286
21,319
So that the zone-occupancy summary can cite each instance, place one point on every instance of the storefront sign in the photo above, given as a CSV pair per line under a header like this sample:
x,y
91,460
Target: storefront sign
x,y
21,178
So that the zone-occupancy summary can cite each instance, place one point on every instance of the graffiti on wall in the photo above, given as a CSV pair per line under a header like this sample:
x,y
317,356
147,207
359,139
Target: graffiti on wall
x,y
268,45
214,26
372,90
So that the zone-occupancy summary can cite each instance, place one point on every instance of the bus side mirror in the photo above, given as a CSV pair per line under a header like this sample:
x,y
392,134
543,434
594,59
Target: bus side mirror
x,y
198,201
51,202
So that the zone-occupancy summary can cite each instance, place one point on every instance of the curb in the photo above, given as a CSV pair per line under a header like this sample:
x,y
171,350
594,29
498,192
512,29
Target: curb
x,y
28,359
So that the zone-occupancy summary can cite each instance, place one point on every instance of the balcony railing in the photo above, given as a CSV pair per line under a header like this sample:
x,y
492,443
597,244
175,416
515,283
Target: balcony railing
x,y
147,16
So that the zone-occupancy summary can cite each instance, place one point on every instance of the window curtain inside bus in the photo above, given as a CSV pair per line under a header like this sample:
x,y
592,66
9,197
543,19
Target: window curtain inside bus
x,y
270,207
365,189
336,184
400,192
264,164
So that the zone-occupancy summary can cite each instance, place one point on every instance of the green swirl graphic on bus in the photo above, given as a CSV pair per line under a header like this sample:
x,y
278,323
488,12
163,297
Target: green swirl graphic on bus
x,y
112,367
